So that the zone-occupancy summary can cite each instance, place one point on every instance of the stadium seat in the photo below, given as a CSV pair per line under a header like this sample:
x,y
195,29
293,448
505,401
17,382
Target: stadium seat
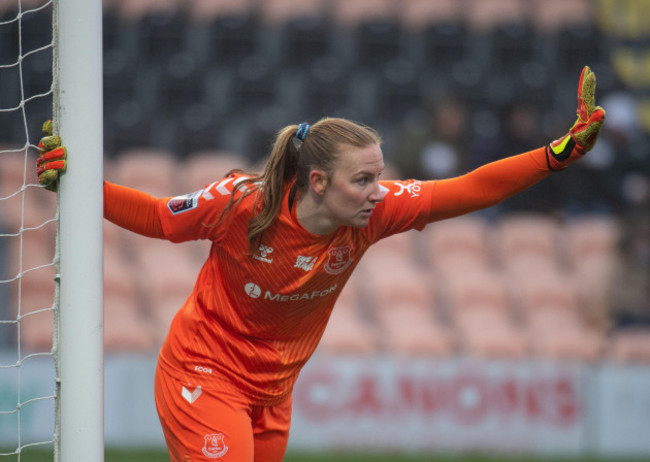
x,y
228,38
150,170
323,88
351,13
181,83
512,45
348,332
593,236
297,33
127,323
538,291
490,335
526,241
419,14
549,16
376,42
161,34
629,346
252,85
407,329
204,167
445,43
576,45
483,16
399,90
401,245
280,12
457,245
567,344
207,10
126,329
170,276
392,277
475,290
304,40
137,9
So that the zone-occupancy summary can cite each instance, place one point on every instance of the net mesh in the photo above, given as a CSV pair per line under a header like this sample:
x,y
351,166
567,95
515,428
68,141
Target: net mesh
x,y
28,224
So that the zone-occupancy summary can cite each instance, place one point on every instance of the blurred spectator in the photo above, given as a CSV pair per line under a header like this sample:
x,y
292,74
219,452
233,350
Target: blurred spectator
x,y
436,148
518,128
630,285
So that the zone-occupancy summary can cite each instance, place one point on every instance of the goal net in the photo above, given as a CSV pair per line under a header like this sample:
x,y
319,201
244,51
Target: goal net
x,y
28,222
50,292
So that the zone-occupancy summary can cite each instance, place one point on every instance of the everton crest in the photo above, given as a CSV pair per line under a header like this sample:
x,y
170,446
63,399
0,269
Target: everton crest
x,y
339,258
214,446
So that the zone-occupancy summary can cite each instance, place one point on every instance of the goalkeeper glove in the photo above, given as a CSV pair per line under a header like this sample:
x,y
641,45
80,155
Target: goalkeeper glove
x,y
582,136
52,157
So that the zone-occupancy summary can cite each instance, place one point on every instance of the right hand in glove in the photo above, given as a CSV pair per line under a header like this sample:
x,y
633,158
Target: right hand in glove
x,y
52,157
582,136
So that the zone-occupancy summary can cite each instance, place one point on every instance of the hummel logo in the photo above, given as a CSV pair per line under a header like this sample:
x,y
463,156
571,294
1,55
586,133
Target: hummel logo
x,y
264,251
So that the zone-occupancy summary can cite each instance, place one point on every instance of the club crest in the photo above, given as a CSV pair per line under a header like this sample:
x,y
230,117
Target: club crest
x,y
214,446
339,258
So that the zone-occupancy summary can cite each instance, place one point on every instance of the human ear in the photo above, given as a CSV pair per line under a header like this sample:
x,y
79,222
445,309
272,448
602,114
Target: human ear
x,y
318,181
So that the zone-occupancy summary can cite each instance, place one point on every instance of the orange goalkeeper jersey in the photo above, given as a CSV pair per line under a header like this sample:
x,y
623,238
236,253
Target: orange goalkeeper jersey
x,y
254,320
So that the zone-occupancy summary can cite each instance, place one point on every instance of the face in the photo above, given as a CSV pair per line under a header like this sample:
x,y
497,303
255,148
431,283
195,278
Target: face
x,y
352,190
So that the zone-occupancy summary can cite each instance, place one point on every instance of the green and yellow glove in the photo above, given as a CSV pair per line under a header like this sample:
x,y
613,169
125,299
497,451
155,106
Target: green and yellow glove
x,y
52,157
582,136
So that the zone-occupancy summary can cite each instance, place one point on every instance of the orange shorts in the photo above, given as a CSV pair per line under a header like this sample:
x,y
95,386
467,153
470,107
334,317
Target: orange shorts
x,y
202,424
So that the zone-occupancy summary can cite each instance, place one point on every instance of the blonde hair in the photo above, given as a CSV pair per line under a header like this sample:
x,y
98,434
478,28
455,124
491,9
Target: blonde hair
x,y
288,161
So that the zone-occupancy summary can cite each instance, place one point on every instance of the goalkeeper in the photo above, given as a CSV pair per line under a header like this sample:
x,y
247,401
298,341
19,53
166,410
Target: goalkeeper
x,y
284,242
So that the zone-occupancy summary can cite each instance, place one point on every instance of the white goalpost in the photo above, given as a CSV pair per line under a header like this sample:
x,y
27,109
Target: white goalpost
x,y
78,118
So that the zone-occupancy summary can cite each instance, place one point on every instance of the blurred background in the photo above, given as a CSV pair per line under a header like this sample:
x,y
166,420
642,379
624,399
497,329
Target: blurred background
x,y
558,274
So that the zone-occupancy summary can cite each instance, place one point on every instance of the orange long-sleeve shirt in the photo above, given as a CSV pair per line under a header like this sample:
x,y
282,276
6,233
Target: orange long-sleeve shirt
x,y
253,321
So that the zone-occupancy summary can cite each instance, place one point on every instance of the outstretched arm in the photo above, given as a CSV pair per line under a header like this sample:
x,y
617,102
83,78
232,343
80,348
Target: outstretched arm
x,y
487,185
133,210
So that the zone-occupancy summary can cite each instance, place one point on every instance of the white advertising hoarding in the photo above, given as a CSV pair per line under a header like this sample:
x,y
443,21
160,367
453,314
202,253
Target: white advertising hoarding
x,y
396,403
383,403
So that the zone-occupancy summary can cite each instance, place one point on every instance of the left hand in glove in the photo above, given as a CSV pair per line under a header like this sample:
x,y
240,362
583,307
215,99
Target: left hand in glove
x,y
582,136
52,157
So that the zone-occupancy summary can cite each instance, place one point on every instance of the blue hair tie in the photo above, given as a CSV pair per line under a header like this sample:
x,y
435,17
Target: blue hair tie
x,y
300,134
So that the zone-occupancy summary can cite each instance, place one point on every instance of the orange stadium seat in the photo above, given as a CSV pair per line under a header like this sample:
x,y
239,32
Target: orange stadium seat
x,y
279,12
551,15
592,237
490,335
476,291
545,292
170,276
126,328
457,245
153,171
567,343
630,346
417,14
526,242
350,13
348,332
409,330
208,10
397,280
136,9
203,168
483,16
